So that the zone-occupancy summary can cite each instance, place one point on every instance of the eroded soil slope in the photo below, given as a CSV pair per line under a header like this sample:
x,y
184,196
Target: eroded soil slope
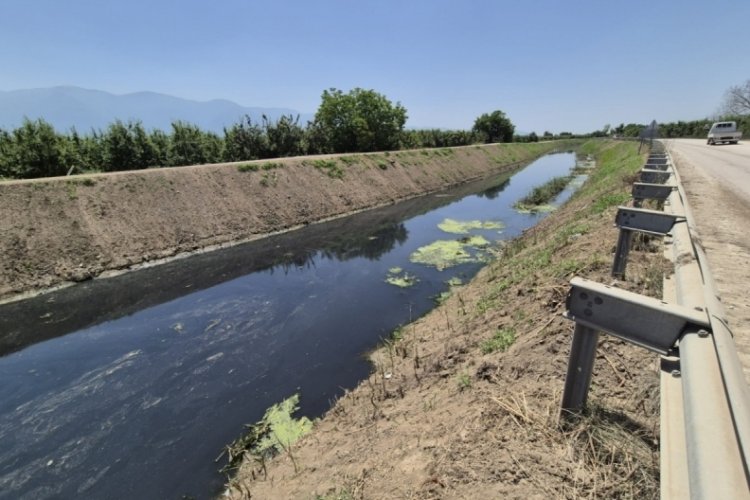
x,y
74,228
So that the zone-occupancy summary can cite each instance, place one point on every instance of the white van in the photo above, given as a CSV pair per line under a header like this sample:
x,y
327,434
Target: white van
x,y
724,132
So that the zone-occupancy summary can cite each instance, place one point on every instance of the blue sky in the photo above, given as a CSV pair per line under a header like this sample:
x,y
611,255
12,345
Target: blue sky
x,y
548,64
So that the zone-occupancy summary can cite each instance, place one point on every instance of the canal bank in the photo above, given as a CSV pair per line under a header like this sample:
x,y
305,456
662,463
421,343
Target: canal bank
x,y
463,403
63,230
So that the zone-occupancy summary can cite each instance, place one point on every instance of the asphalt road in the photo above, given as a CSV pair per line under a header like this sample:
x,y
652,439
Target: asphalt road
x,y
716,180
728,164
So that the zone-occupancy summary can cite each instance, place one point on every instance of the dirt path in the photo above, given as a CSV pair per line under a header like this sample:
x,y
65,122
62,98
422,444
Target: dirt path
x,y
717,182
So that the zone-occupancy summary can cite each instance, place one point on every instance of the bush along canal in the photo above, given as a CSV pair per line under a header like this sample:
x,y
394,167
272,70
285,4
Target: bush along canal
x,y
132,386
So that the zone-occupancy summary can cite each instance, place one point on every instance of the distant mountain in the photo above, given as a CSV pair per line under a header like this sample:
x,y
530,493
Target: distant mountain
x,y
84,109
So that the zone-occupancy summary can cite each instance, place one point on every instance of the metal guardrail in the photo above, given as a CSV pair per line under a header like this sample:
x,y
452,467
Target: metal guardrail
x,y
705,401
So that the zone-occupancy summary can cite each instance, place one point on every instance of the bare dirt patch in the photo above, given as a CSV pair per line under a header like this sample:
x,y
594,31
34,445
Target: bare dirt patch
x,y
448,414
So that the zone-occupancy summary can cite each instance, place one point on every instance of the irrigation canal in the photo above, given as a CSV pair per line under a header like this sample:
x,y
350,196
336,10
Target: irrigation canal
x,y
131,386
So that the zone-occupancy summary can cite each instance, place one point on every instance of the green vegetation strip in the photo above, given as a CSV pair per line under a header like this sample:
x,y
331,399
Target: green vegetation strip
x,y
538,199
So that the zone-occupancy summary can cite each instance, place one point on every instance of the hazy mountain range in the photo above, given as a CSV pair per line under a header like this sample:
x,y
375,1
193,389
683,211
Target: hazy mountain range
x,y
84,109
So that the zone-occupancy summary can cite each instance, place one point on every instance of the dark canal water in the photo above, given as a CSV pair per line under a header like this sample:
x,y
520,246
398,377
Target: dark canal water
x,y
129,387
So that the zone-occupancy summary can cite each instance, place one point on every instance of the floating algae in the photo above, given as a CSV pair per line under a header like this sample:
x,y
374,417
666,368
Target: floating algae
x,y
402,280
276,432
442,254
475,241
284,430
448,253
464,227
534,209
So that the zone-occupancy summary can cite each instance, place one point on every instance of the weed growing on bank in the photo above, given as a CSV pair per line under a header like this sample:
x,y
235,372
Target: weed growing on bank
x,y
542,195
330,167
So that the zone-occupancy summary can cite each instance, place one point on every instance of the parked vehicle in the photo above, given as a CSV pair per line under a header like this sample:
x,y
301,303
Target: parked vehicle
x,y
724,132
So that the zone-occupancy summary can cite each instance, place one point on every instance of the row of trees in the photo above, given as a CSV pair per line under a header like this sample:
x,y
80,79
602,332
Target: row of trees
x,y
735,106
357,121
685,129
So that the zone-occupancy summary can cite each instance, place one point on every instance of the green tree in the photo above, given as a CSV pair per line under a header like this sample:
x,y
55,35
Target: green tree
x,y
436,138
36,151
187,145
361,120
285,136
160,142
245,141
145,149
494,127
127,147
213,147
7,153
92,151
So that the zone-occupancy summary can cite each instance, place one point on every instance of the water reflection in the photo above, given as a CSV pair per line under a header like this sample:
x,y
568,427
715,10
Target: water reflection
x,y
494,192
368,234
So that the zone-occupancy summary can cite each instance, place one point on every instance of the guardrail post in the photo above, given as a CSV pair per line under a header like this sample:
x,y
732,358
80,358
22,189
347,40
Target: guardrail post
x,y
642,191
621,253
641,220
661,167
580,367
654,176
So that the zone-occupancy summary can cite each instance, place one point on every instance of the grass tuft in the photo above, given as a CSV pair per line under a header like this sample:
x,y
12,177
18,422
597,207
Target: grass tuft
x,y
331,167
500,341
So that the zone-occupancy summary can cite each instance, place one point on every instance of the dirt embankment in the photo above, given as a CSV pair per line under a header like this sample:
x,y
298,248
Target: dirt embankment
x,y
464,402
71,229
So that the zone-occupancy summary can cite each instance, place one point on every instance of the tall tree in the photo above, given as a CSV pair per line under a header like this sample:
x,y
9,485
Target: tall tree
x,y
284,136
361,120
737,99
187,146
494,127
127,147
37,151
245,141
7,153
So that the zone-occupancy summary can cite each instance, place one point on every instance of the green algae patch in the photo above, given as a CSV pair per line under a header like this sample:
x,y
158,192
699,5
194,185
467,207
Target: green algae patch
x,y
439,299
454,281
442,254
397,277
535,209
275,433
284,430
475,241
465,227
